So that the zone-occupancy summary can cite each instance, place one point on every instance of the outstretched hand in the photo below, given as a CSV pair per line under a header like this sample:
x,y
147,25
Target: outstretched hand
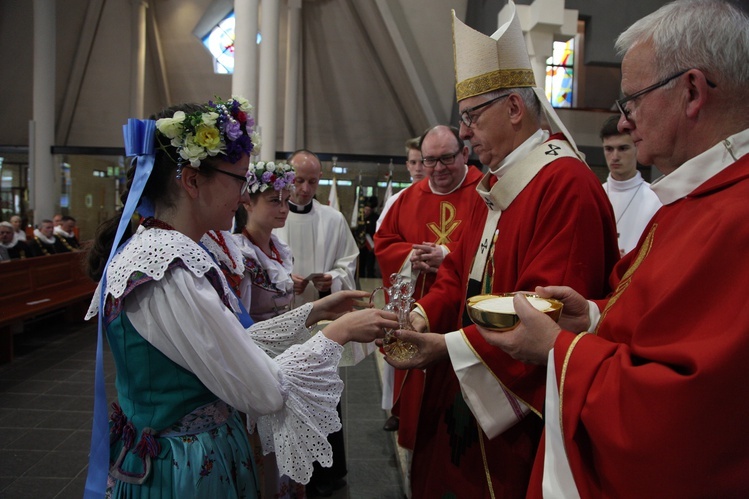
x,y
431,348
336,304
531,340
362,326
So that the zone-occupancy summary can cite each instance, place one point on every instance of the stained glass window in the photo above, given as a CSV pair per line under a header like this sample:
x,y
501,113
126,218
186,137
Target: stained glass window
x,y
220,42
560,74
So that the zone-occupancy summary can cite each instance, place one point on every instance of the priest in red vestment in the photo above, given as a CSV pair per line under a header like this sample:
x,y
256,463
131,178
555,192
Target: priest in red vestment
x,y
642,394
548,220
420,229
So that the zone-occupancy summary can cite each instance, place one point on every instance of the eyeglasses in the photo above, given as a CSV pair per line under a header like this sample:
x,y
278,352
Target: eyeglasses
x,y
622,103
244,179
465,116
445,159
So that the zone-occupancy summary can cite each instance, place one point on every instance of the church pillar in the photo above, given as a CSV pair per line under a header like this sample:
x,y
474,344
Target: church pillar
x,y
268,79
138,59
543,22
44,176
244,80
293,57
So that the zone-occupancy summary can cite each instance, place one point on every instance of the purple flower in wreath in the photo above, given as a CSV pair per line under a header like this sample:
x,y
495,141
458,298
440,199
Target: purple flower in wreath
x,y
236,148
267,177
233,130
279,184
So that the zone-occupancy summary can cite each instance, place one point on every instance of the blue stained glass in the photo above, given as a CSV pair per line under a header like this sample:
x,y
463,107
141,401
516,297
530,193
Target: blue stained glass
x,y
560,74
220,43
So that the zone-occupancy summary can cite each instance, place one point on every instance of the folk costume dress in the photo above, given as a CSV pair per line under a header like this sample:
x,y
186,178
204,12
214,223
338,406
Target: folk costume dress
x,y
634,205
266,289
185,366
648,398
554,225
421,215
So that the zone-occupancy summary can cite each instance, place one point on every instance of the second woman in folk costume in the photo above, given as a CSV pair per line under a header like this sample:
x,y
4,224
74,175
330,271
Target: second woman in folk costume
x,y
267,289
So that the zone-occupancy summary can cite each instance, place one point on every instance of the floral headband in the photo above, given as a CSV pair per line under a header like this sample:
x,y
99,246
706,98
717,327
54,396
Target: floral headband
x,y
263,175
224,128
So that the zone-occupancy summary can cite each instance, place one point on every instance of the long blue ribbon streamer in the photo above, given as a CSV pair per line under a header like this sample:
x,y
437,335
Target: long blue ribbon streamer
x,y
139,141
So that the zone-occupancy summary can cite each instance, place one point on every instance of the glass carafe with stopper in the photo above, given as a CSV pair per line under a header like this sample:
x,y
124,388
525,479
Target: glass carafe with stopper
x,y
399,300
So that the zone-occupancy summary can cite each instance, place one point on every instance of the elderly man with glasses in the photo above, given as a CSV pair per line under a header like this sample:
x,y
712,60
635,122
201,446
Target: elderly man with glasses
x,y
548,220
422,227
649,404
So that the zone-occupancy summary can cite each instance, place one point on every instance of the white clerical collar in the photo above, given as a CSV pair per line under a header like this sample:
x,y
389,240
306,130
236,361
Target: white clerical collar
x,y
301,209
624,185
58,230
538,138
431,187
43,238
695,172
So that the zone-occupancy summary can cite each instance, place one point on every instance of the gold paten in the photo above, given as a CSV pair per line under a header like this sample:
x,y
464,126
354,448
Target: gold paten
x,y
504,321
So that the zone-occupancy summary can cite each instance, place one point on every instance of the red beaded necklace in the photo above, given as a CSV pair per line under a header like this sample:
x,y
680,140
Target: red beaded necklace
x,y
151,222
274,254
218,237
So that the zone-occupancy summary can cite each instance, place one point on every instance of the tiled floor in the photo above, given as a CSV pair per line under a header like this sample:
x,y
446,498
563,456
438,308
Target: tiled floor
x,y
46,396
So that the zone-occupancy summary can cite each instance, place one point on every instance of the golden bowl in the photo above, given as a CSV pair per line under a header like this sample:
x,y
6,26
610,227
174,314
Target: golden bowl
x,y
496,311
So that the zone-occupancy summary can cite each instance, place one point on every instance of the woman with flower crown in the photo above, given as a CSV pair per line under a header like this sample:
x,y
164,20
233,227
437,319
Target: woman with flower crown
x,y
266,289
185,363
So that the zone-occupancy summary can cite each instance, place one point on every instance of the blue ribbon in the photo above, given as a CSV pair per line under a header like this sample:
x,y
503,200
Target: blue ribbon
x,y
243,315
140,136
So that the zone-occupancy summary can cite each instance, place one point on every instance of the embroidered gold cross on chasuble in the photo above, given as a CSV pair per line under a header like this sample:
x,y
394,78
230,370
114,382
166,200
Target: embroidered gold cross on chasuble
x,y
447,223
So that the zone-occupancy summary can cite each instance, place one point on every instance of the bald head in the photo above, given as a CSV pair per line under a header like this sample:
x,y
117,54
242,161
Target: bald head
x,y
308,170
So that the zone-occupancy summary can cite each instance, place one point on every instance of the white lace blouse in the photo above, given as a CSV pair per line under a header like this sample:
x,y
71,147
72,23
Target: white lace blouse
x,y
292,397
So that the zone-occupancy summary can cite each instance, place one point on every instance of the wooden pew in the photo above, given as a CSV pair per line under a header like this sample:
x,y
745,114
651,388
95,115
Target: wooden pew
x,y
36,286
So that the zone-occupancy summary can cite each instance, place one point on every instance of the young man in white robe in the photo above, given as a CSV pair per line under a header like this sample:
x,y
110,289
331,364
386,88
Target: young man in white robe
x,y
633,201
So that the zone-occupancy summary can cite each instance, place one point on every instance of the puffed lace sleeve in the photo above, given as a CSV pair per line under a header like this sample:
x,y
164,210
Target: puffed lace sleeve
x,y
298,435
277,334
292,397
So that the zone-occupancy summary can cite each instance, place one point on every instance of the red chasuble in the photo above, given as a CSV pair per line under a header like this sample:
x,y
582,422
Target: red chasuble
x,y
652,404
418,216
559,229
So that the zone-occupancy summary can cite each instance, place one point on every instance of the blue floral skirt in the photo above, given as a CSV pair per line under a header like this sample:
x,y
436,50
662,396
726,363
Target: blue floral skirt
x,y
215,462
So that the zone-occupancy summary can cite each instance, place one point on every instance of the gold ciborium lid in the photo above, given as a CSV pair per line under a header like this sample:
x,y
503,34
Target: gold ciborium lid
x,y
497,312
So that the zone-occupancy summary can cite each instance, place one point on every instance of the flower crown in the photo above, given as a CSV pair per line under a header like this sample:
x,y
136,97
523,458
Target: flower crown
x,y
263,175
222,128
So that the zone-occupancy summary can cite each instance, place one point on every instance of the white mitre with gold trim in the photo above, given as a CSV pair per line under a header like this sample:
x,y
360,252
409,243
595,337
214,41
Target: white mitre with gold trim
x,y
487,63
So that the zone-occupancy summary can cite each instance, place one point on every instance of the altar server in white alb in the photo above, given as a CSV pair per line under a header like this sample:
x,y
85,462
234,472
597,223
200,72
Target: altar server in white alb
x,y
633,201
324,250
